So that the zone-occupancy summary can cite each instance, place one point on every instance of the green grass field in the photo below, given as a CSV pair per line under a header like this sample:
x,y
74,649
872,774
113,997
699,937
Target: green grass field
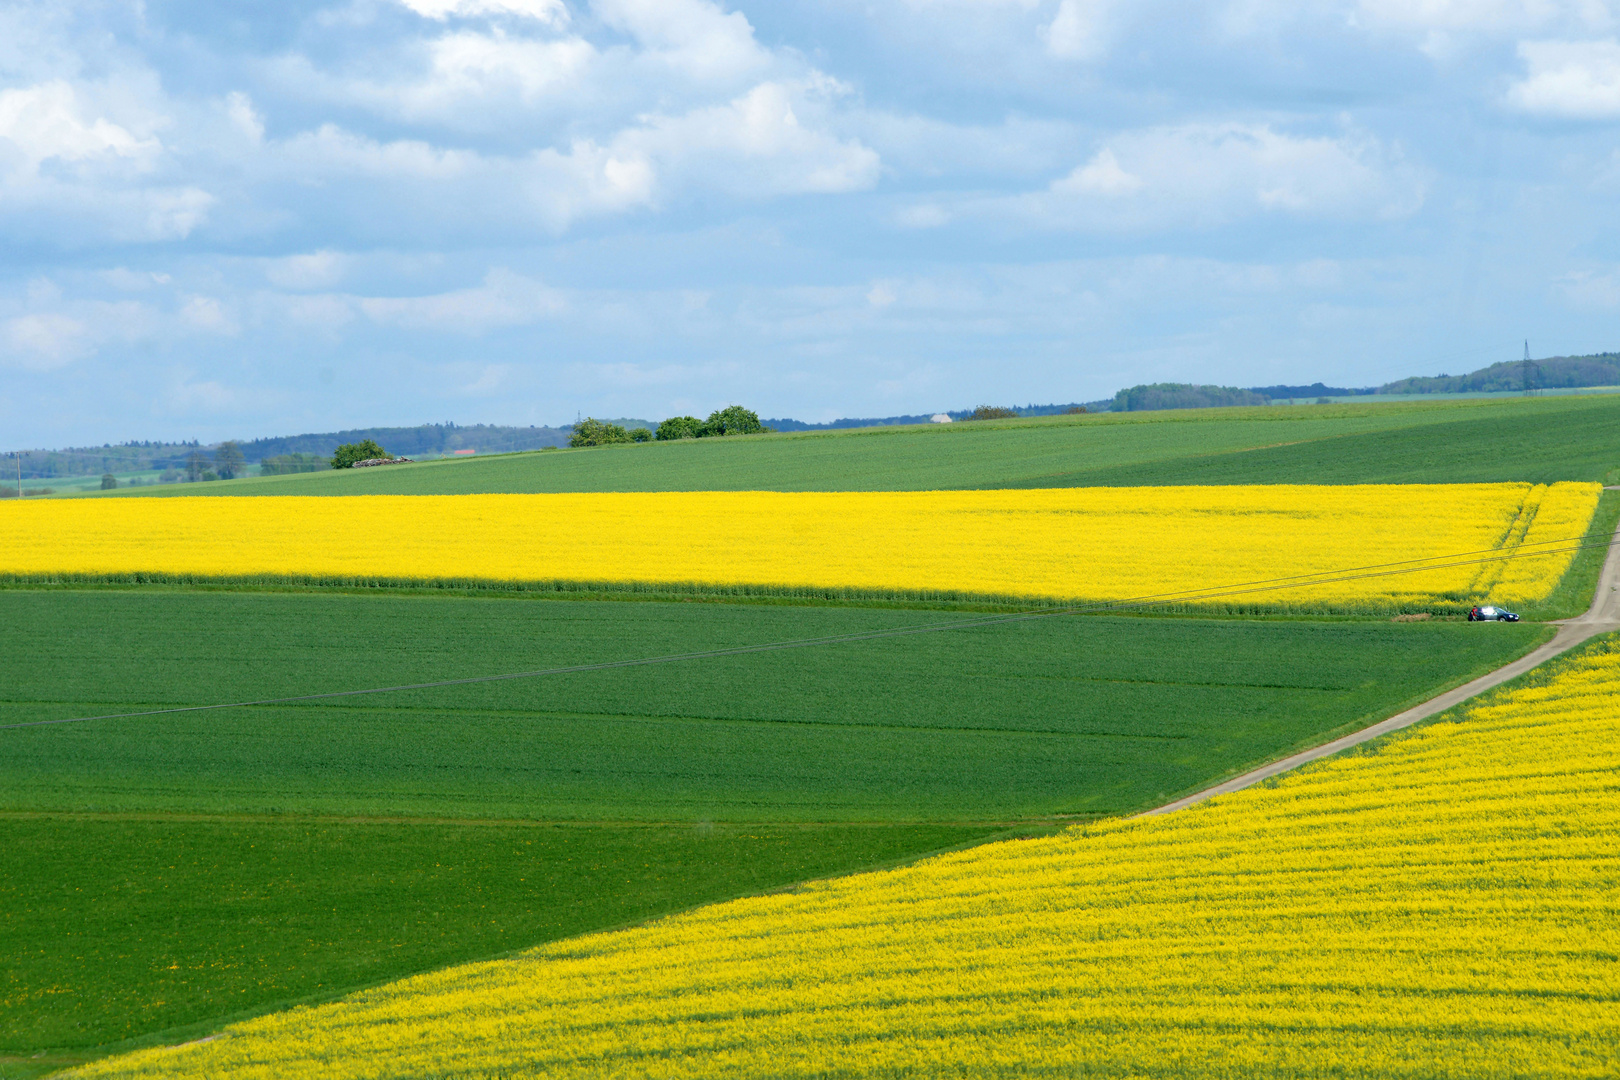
x,y
1451,441
114,928
161,874
1061,715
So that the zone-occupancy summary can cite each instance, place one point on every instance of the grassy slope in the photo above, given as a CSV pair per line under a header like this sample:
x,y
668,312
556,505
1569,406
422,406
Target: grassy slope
x,y
1062,715
1091,718
119,925
116,928
1537,439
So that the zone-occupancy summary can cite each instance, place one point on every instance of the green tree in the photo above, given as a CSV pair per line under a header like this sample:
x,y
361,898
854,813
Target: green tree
x,y
992,412
593,432
108,481
228,460
679,427
732,420
346,455
640,434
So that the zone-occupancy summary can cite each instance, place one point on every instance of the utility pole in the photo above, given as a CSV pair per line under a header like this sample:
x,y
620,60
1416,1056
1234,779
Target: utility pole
x,y
1526,368
18,456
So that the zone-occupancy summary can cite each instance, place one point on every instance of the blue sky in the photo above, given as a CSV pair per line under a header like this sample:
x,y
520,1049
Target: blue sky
x,y
245,220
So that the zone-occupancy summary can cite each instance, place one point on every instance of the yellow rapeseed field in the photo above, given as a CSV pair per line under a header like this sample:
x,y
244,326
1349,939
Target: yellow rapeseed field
x,y
1445,906
1085,543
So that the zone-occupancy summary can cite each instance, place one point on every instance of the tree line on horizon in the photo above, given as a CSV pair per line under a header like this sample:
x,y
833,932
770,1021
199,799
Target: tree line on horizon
x,y
311,452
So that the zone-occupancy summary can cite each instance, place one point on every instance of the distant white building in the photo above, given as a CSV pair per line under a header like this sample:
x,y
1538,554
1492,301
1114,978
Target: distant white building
x,y
941,418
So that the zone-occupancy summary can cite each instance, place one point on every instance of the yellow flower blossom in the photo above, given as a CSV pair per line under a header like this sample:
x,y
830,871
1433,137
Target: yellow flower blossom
x,y
1444,906
1090,544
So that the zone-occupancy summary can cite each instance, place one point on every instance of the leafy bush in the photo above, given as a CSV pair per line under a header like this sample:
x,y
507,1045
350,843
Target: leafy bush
x,y
679,427
346,455
992,412
593,432
108,481
640,434
732,420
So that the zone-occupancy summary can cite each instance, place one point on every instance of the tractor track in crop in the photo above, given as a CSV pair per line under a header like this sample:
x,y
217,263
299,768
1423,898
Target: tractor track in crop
x,y
1601,618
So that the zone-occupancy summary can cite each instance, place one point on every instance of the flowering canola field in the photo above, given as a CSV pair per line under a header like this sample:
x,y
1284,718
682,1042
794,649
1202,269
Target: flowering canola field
x,y
1445,906
1082,543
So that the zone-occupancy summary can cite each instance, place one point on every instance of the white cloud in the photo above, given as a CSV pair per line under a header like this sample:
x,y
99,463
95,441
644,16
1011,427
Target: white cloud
x,y
697,38
923,216
1591,290
756,145
45,122
504,299
468,66
205,313
331,151
491,379
170,213
546,11
246,119
316,270
1102,175
46,341
1487,16
71,173
1208,174
1079,30
464,80
127,280
1569,78
588,179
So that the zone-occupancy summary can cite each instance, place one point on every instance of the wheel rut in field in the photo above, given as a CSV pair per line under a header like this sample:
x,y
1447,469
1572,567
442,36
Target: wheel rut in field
x,y
1601,618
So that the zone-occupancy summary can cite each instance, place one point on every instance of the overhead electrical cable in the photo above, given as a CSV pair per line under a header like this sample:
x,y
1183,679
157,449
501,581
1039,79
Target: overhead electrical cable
x,y
1410,566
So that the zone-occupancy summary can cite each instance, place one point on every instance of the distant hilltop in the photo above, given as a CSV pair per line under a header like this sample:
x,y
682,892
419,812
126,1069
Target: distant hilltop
x,y
450,439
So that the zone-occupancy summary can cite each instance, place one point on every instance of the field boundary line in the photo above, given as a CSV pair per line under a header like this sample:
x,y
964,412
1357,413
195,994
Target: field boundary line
x,y
1411,566
1601,618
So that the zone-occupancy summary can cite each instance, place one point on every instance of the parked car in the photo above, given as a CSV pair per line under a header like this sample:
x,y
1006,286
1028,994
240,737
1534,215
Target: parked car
x,y
1491,614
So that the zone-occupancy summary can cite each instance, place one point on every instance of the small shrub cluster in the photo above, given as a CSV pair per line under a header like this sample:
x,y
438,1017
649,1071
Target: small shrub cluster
x,y
346,455
992,412
732,420
1183,396
593,432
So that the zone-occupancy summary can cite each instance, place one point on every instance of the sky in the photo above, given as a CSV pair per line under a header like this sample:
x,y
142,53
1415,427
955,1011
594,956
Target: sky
x,y
233,221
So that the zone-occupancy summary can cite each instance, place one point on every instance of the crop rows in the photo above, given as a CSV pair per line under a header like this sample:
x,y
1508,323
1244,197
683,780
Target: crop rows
x,y
1096,545
1442,906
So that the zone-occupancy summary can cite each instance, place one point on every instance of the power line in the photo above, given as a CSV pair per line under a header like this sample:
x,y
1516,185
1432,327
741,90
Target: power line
x,y
1158,600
